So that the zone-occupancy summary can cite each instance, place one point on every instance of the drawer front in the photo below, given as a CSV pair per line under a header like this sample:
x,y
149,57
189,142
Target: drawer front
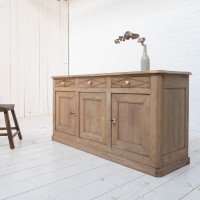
x,y
92,82
65,83
130,82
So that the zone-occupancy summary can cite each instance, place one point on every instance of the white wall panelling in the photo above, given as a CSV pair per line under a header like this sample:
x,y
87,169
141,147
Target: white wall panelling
x,y
33,47
5,50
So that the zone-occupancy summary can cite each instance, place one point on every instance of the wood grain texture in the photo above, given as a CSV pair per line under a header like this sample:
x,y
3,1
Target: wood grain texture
x,y
134,73
6,108
156,119
131,82
65,112
65,83
92,116
143,128
92,82
173,136
130,131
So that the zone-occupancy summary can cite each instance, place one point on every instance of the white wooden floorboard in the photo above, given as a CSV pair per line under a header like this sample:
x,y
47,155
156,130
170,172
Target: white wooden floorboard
x,y
136,188
71,183
178,187
145,184
39,168
101,186
42,169
193,195
49,178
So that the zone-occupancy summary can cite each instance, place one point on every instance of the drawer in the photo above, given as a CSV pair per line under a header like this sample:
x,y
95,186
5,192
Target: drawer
x,y
92,82
65,83
130,82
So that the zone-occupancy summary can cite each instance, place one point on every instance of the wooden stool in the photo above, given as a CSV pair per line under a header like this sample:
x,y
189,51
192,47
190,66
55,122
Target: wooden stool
x,y
5,108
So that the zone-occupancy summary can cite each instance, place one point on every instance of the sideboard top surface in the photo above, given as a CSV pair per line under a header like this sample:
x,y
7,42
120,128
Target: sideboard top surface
x,y
151,72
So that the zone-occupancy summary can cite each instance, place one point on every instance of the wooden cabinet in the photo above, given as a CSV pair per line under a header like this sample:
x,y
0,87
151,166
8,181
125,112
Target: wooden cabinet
x,y
137,119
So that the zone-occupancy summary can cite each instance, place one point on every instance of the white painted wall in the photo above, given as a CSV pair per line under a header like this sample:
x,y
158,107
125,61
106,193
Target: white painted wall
x,y
33,47
172,30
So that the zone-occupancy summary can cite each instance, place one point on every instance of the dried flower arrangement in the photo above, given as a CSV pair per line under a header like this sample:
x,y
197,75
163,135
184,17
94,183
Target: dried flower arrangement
x,y
145,61
128,35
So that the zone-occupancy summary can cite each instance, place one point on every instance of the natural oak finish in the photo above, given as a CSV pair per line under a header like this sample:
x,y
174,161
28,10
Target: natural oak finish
x,y
131,82
65,120
137,119
92,82
92,116
131,125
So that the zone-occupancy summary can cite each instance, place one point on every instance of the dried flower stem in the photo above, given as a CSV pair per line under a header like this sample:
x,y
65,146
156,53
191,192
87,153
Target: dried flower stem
x,y
128,35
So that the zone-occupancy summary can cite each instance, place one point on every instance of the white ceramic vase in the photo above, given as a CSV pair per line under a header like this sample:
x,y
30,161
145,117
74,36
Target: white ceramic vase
x,y
145,62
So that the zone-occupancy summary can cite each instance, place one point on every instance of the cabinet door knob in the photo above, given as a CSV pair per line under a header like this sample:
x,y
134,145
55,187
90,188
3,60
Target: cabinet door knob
x,y
113,120
89,82
127,82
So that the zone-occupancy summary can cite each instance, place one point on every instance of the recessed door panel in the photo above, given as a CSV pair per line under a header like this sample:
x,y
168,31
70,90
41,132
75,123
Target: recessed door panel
x,y
92,116
131,123
65,112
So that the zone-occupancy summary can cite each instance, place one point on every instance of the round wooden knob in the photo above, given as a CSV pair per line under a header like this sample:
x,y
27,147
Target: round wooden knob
x,y
127,82
89,82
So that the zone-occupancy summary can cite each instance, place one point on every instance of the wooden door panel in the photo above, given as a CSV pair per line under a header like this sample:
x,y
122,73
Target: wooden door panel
x,y
127,113
173,137
131,130
92,116
65,111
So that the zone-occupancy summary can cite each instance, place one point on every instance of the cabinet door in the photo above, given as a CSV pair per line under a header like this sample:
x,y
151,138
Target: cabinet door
x,y
131,124
92,117
65,111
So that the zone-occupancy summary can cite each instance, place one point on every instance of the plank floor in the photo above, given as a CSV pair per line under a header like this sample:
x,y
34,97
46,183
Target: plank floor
x,y
41,169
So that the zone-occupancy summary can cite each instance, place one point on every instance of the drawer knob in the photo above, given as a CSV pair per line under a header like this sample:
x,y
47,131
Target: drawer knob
x,y
89,82
62,83
127,82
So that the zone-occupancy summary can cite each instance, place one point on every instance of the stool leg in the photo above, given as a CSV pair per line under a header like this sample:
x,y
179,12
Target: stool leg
x,y
16,124
8,127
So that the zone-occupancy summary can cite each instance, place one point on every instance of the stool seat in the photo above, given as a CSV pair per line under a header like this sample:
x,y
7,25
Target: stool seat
x,y
6,107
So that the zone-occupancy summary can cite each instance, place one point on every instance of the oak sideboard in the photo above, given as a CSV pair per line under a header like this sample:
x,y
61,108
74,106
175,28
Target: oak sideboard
x,y
137,119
